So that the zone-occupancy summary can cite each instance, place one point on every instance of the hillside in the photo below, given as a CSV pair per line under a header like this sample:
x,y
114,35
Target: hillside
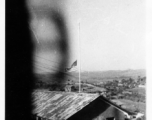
x,y
118,73
99,75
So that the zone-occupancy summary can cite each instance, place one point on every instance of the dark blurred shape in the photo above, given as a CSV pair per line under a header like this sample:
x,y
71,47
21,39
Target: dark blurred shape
x,y
19,59
59,21
19,75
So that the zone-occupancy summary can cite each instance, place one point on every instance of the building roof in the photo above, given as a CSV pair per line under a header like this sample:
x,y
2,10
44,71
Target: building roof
x,y
117,106
118,102
60,105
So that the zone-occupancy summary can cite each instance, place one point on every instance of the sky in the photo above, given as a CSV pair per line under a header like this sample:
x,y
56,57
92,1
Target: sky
x,y
103,34
112,33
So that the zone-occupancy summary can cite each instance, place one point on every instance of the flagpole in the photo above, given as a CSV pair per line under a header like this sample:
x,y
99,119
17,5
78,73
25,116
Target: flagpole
x,y
79,61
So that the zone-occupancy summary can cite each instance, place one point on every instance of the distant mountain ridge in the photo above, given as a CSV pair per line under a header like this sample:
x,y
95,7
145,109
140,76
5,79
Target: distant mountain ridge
x,y
129,72
100,75
120,73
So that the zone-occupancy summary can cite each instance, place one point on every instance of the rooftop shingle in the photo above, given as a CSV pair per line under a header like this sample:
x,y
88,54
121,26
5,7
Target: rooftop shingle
x,y
60,105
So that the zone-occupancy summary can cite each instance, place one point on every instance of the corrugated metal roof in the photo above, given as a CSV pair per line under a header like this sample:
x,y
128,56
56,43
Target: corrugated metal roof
x,y
59,105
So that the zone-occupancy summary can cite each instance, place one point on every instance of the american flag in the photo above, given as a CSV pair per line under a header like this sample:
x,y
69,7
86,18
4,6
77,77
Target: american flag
x,y
72,68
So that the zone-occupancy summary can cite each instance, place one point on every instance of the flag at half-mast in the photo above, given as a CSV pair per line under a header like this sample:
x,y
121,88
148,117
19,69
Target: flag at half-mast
x,y
72,68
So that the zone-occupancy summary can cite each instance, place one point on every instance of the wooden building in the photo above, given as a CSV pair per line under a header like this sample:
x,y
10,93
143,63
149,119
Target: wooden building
x,y
53,105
